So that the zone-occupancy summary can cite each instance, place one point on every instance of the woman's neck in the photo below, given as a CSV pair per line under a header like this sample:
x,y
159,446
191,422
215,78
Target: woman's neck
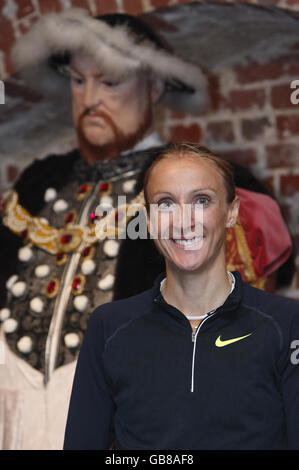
x,y
197,293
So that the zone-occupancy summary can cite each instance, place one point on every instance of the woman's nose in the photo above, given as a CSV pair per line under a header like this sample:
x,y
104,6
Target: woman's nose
x,y
188,220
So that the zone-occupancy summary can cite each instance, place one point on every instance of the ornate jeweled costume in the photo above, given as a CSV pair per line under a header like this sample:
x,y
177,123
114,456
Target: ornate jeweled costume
x,y
66,266
65,269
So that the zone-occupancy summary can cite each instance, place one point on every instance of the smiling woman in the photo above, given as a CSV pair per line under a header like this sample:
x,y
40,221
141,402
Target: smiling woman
x,y
185,181
202,359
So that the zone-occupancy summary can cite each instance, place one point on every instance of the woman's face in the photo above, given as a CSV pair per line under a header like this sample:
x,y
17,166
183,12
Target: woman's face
x,y
187,197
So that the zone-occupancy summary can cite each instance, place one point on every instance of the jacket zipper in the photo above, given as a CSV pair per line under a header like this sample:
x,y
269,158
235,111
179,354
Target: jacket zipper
x,y
194,338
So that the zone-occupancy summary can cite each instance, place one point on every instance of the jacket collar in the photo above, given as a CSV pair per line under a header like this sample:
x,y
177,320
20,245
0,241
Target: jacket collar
x,y
232,301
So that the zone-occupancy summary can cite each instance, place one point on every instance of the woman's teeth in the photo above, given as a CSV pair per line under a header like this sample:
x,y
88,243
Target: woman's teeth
x,y
188,242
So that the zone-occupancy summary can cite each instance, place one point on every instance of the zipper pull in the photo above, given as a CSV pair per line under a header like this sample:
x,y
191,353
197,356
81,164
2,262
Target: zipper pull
x,y
193,336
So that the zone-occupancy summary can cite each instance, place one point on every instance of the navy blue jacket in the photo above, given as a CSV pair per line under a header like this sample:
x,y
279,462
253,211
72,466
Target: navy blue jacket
x,y
145,381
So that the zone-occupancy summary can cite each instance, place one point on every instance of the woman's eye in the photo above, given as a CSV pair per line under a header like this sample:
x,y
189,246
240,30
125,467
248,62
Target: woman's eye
x,y
164,205
203,201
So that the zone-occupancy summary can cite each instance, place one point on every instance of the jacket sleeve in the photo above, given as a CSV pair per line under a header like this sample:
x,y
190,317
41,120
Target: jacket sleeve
x,y
290,380
90,415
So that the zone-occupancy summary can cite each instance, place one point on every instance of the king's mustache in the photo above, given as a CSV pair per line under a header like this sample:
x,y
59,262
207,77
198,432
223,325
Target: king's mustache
x,y
95,112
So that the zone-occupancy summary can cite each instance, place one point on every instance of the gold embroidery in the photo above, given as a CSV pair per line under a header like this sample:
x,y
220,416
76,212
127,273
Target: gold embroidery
x,y
71,238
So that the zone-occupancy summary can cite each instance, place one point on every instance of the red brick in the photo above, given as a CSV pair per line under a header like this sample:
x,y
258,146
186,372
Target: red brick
x,y
244,99
287,125
160,3
190,133
133,8
292,67
80,4
50,6
220,131
106,6
255,128
255,72
12,173
289,185
7,37
269,184
282,155
25,7
281,96
245,157
216,97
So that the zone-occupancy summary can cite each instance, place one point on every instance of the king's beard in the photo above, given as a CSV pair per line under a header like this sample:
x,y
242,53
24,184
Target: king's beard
x,y
121,142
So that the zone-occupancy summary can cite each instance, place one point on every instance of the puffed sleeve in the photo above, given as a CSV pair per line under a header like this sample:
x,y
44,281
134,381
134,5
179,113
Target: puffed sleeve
x,y
90,416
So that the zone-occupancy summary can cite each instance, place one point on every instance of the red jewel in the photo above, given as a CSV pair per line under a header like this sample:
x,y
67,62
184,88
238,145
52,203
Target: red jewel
x,y
86,251
69,217
104,186
66,239
77,283
51,287
59,256
94,216
83,188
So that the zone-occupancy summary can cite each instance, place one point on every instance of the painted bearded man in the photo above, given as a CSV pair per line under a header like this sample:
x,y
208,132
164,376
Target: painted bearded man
x,y
58,262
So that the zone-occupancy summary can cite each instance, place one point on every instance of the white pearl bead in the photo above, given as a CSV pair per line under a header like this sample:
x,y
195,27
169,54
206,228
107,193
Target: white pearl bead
x,y
11,281
106,201
107,282
24,345
18,289
80,303
37,305
71,340
111,248
25,254
60,205
88,266
10,325
44,220
50,194
128,186
42,270
4,314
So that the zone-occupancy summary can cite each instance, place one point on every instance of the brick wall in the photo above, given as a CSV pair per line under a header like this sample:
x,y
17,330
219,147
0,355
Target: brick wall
x,y
251,120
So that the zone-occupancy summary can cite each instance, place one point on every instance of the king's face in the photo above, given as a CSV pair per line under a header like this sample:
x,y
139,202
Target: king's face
x,y
109,101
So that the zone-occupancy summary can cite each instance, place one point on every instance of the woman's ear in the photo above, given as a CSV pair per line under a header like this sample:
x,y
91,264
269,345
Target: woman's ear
x,y
233,212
